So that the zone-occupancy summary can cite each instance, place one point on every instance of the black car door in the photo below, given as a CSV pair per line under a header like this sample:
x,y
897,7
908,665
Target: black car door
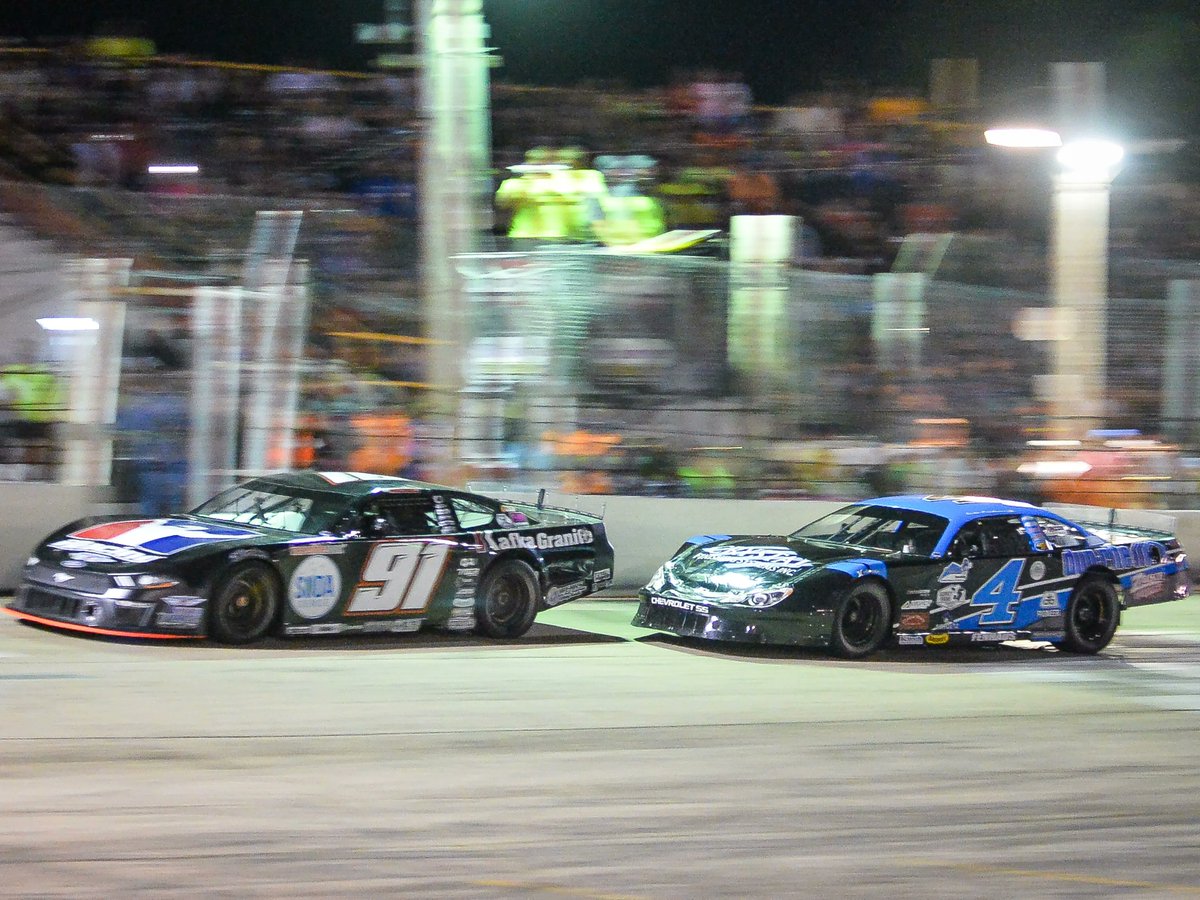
x,y
982,586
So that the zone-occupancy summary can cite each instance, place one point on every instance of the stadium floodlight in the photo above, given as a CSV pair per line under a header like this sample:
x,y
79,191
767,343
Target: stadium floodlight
x,y
182,169
1091,160
69,323
1019,138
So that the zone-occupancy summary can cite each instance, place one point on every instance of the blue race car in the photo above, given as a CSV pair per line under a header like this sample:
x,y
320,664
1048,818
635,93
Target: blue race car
x,y
918,571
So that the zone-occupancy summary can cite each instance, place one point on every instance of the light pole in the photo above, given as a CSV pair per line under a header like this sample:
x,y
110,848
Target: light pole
x,y
455,185
1079,284
1078,263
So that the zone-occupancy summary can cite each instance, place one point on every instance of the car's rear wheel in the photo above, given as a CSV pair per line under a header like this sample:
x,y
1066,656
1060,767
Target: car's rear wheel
x,y
1092,616
507,600
244,605
862,620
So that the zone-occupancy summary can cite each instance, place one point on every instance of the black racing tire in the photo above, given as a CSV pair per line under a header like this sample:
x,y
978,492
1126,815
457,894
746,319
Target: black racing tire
x,y
862,620
244,604
507,600
1092,616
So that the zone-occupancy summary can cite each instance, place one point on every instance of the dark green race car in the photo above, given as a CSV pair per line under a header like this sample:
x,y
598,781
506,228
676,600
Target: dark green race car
x,y
918,571
308,553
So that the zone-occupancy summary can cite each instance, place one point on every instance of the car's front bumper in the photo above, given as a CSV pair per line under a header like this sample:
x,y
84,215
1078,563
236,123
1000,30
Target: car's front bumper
x,y
694,618
120,613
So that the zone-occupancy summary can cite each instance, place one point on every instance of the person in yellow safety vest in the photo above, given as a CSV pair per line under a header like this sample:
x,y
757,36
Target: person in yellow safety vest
x,y
35,401
587,188
628,215
540,206
629,219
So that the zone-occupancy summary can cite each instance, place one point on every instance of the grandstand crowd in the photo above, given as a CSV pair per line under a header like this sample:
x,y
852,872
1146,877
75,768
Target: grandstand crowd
x,y
862,170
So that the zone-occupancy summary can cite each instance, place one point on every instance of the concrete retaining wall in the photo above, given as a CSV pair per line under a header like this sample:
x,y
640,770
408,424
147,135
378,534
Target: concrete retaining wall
x,y
644,531
30,511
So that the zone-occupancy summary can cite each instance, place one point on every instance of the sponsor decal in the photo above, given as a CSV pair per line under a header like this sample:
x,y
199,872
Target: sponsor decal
x,y
404,626
180,616
460,623
993,637
601,578
162,537
566,592
914,621
103,553
80,560
1049,613
1037,570
463,601
447,524
541,540
955,573
910,640
922,603
773,559
951,597
400,626
1140,555
1049,601
937,639
680,604
315,587
319,549
61,577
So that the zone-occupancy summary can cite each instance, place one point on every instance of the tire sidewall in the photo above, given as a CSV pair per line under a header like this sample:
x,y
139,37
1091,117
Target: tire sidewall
x,y
517,624
224,583
838,642
1073,642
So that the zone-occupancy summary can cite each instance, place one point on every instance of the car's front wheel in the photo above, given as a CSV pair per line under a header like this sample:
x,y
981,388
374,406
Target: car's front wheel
x,y
1092,616
862,621
244,605
507,601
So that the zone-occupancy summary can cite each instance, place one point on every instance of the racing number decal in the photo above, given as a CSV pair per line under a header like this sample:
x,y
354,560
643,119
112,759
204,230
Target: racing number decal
x,y
399,577
1001,592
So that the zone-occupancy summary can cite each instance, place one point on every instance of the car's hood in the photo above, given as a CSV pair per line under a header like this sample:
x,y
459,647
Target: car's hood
x,y
124,542
754,563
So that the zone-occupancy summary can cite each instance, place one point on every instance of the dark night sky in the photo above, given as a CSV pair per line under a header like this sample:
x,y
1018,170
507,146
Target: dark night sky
x,y
781,46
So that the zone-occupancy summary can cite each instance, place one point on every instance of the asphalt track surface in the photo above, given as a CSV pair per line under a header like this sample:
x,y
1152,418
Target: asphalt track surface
x,y
596,760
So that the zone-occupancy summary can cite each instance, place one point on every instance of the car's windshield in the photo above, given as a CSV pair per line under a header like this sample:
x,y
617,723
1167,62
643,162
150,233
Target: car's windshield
x,y
878,527
301,512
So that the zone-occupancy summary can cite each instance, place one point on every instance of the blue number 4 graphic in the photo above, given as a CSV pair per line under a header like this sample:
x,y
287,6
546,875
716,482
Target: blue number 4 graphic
x,y
1001,592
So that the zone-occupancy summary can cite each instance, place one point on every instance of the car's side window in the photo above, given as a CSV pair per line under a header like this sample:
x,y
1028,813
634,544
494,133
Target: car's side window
x,y
408,517
472,515
1004,537
968,541
992,537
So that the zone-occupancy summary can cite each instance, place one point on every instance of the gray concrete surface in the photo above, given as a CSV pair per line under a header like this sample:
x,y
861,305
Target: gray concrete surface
x,y
596,760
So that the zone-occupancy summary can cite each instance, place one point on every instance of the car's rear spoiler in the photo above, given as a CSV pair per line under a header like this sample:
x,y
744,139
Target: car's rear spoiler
x,y
1130,523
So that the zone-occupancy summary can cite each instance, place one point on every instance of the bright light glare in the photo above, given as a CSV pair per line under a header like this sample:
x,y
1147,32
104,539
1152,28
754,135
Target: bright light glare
x,y
1048,468
68,323
1091,158
189,169
1023,137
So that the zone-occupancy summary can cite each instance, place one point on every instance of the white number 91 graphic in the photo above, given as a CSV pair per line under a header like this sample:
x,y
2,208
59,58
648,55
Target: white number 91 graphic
x,y
399,578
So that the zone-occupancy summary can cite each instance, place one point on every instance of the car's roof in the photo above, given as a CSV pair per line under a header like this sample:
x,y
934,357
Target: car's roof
x,y
956,509
350,484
